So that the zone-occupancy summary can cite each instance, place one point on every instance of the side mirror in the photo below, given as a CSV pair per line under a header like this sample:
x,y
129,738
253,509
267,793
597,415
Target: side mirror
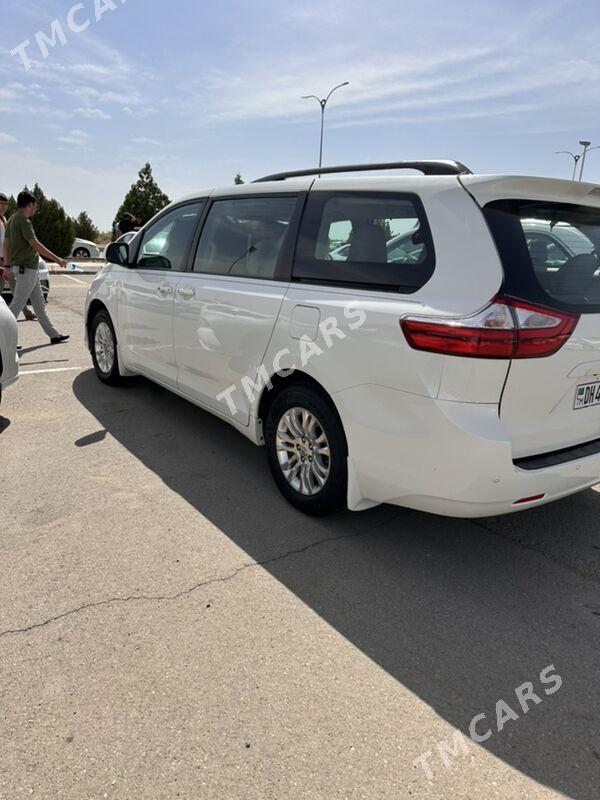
x,y
118,253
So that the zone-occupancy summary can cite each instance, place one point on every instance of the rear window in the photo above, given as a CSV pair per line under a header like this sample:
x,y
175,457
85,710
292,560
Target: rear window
x,y
550,252
365,238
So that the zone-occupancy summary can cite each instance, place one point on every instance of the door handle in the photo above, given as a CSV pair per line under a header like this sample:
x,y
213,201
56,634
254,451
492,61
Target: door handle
x,y
164,289
186,293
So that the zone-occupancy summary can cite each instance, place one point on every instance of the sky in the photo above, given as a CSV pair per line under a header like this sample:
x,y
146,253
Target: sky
x,y
203,89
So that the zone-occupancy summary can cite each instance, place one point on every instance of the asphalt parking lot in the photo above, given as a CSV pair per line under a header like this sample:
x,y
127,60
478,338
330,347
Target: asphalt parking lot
x,y
171,628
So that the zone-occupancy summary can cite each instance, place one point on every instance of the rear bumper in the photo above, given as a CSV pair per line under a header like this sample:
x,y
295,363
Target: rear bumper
x,y
444,457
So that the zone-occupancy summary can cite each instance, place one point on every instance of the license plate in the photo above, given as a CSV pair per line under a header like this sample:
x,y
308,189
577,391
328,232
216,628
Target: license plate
x,y
587,395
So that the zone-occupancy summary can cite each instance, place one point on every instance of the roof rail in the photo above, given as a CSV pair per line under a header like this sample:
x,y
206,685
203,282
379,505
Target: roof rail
x,y
428,167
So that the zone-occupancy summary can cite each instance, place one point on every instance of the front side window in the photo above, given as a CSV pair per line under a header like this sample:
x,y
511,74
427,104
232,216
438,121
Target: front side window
x,y
550,251
165,243
245,236
365,238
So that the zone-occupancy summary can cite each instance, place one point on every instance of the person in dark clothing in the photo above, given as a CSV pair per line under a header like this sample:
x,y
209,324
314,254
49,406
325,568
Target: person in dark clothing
x,y
126,224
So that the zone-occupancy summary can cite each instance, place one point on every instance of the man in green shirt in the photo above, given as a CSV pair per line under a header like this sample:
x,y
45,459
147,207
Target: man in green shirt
x,y
21,255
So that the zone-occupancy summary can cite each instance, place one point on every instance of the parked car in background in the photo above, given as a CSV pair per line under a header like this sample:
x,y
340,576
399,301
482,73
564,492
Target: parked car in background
x,y
82,248
404,249
44,278
550,245
9,363
6,291
453,368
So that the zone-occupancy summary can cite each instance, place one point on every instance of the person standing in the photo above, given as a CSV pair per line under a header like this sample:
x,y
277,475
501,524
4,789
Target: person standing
x,y
8,276
21,252
126,224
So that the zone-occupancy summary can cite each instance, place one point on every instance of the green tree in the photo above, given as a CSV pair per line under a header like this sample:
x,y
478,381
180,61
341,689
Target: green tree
x,y
53,226
238,180
144,199
12,207
85,228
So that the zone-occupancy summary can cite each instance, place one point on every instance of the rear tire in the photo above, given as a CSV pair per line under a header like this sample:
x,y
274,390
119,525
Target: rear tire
x,y
103,345
81,252
307,451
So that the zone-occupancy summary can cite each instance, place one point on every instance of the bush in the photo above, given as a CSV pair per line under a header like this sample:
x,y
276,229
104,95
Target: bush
x,y
12,207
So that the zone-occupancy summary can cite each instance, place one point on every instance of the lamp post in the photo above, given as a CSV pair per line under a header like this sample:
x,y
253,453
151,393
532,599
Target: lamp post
x,y
575,158
323,103
586,147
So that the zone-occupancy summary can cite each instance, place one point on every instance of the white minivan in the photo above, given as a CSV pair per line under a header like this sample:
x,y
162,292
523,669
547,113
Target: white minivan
x,y
431,341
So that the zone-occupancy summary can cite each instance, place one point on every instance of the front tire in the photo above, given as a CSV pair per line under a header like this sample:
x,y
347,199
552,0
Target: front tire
x,y
81,252
307,451
103,344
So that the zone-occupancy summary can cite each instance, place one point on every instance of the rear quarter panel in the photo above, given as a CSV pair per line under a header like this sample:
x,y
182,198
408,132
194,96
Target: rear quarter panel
x,y
467,275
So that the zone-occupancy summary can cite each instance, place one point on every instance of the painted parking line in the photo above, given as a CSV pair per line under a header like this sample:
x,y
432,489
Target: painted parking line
x,y
71,278
56,369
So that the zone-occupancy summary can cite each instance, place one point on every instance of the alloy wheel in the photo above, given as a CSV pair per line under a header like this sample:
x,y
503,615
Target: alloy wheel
x,y
104,347
303,451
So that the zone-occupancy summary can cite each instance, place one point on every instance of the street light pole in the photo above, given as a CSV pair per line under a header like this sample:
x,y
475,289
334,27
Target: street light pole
x,y
586,147
323,103
575,158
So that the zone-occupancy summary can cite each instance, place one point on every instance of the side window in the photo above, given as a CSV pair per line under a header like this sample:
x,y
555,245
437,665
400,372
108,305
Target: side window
x,y
244,236
368,238
164,244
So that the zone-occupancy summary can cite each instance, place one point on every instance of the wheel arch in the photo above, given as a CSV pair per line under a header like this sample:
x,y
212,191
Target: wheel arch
x,y
95,306
279,383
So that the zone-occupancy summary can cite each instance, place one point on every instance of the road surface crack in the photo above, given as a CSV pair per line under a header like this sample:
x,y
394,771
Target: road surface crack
x,y
137,598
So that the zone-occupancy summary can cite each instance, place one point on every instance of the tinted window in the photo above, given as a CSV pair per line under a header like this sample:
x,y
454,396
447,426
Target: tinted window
x,y
379,240
550,251
407,249
165,243
245,236
545,252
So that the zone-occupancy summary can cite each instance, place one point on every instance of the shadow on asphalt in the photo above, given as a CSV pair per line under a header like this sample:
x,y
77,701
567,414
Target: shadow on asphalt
x,y
460,612
24,350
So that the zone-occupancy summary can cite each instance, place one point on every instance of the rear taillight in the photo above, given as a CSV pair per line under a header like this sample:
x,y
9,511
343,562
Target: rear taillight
x,y
507,328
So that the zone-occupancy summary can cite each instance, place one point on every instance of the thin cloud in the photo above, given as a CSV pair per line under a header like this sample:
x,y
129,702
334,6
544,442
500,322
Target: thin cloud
x,y
75,138
147,140
92,113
